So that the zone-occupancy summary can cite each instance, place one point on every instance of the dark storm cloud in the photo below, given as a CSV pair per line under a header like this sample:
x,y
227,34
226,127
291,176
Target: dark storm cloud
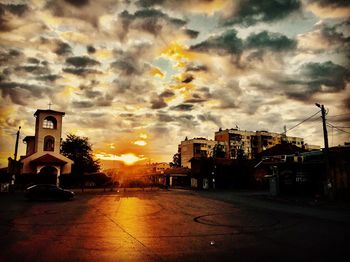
x,y
104,100
89,11
164,117
63,48
232,93
13,9
226,43
188,78
167,93
334,35
158,103
131,90
93,122
196,67
10,56
149,20
81,61
81,71
35,70
268,40
77,3
23,94
346,103
126,115
127,66
91,49
191,33
153,13
186,117
182,107
207,117
331,3
82,104
49,78
33,60
186,121
318,77
90,93
149,3
251,12
195,100
16,9
257,44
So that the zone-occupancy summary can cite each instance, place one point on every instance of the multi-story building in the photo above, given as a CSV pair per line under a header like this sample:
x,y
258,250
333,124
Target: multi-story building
x,y
196,147
312,147
247,144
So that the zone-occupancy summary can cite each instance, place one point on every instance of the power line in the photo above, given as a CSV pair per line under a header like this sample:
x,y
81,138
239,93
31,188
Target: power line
x,y
306,119
338,128
340,115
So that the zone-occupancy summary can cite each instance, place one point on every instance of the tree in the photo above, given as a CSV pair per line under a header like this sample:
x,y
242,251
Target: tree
x,y
79,150
176,160
219,151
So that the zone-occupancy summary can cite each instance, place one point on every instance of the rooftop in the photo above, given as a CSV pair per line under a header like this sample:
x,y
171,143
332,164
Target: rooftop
x,y
48,111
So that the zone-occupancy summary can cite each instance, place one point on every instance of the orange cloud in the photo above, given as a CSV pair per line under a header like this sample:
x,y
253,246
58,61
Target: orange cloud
x,y
155,71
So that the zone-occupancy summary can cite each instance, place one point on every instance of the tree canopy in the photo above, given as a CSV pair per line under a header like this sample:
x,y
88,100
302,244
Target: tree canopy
x,y
176,160
79,150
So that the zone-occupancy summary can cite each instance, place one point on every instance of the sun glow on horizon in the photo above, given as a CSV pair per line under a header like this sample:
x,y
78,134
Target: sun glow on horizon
x,y
127,159
140,143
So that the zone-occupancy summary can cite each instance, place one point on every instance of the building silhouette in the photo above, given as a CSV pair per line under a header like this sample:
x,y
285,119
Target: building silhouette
x,y
43,155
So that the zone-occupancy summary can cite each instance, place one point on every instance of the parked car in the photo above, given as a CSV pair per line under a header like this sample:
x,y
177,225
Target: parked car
x,y
48,192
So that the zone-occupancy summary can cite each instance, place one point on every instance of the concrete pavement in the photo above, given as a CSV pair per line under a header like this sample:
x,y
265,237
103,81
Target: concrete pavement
x,y
167,226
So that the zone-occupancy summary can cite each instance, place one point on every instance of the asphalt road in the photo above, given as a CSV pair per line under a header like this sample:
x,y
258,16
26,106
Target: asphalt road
x,y
172,225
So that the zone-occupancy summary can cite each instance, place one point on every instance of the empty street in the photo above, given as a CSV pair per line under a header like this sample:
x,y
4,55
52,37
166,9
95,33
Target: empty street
x,y
176,225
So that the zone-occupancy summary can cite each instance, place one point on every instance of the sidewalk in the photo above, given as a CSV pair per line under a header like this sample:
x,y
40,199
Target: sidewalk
x,y
327,210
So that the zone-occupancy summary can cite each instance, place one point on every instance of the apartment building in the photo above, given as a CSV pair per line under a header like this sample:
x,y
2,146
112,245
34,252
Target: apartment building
x,y
247,144
196,147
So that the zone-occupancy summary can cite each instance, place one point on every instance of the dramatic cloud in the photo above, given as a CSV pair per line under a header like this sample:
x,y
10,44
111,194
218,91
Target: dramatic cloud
x,y
81,71
331,3
168,69
251,12
150,20
325,37
81,61
329,8
21,93
10,12
227,43
183,107
267,40
210,118
319,77
63,48
158,103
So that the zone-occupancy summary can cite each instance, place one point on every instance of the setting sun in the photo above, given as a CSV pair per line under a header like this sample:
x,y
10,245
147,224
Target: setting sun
x,y
127,159
140,143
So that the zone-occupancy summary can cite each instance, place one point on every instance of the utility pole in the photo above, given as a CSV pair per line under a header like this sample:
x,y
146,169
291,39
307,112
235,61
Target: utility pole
x,y
328,177
14,165
16,146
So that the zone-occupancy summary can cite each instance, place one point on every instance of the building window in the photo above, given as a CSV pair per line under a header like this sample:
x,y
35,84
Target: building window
x,y
50,122
49,143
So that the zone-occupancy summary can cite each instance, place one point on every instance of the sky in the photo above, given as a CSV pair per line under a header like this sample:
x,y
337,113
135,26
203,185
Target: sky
x,y
137,77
